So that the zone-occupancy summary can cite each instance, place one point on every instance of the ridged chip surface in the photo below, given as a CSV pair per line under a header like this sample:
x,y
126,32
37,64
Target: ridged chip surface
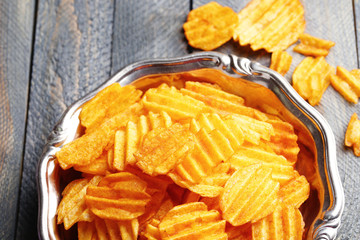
x,y
313,46
280,62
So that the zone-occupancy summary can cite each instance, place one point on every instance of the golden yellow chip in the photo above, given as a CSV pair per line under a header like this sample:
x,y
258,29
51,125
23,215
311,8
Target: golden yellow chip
x,y
220,101
312,46
311,78
173,102
282,170
108,103
164,148
295,192
86,230
85,149
249,195
152,231
347,84
272,25
284,223
352,135
97,167
210,26
242,232
280,62
284,141
72,207
192,221
119,196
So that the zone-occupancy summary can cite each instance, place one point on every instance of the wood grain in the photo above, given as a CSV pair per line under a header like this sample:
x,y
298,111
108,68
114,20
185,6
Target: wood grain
x,y
148,29
16,30
356,5
72,55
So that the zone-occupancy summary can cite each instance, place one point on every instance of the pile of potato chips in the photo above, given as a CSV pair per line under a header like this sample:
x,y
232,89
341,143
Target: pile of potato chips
x,y
181,163
274,25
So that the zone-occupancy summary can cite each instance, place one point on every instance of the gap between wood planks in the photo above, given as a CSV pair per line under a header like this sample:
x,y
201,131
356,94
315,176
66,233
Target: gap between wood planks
x,y
356,33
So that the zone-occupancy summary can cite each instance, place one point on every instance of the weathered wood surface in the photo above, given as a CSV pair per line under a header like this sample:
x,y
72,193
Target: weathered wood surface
x,y
79,44
72,55
16,30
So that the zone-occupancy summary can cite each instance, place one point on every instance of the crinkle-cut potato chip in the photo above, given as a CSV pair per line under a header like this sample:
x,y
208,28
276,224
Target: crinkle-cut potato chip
x,y
118,196
313,46
284,223
210,26
352,135
280,62
85,149
220,101
128,140
272,25
282,170
164,148
108,103
86,230
295,192
97,167
242,232
192,221
152,231
172,101
311,78
72,207
284,141
249,195
347,84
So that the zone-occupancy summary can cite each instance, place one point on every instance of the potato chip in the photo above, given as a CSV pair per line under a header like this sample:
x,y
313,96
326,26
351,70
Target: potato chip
x,y
152,231
242,232
118,196
313,46
352,135
249,195
173,102
284,223
282,171
108,103
270,25
164,148
210,26
295,192
83,150
347,84
219,101
311,78
97,167
192,221
284,141
280,62
72,207
86,231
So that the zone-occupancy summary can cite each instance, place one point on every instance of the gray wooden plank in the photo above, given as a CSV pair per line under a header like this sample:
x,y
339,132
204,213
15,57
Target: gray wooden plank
x,y
148,29
332,20
16,31
72,55
356,4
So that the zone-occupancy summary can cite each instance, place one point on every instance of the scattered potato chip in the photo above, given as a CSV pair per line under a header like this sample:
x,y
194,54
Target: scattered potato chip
x,y
108,103
219,101
210,26
347,84
280,62
164,148
72,207
284,141
284,223
311,78
312,46
249,195
192,221
272,25
172,101
352,135
118,196
85,149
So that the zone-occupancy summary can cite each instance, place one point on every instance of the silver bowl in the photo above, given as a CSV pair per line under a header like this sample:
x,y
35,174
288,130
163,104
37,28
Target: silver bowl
x,y
262,88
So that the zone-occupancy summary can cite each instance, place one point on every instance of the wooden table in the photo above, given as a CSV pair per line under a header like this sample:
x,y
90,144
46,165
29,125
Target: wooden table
x,y
53,52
